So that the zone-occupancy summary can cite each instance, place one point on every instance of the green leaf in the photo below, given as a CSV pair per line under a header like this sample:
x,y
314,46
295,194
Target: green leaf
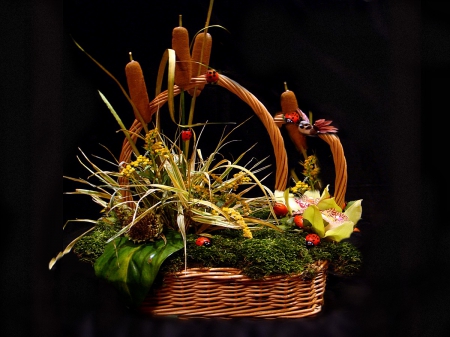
x,y
132,268
313,215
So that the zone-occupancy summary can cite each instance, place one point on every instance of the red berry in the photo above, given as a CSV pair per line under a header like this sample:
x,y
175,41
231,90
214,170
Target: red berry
x,y
298,220
312,240
212,76
186,135
203,241
280,209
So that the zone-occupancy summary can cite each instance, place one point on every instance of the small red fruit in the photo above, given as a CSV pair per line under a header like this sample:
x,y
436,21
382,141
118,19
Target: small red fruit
x,y
312,240
212,76
298,220
186,135
280,209
203,241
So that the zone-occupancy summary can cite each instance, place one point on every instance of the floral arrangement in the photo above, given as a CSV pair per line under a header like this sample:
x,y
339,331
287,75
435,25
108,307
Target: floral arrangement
x,y
167,207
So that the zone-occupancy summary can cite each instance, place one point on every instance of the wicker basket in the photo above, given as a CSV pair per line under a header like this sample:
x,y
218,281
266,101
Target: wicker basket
x,y
225,292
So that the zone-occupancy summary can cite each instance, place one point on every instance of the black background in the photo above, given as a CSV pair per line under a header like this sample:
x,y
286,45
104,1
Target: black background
x,y
376,68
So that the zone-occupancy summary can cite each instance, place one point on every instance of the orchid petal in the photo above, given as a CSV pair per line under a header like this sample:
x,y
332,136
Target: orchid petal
x,y
312,194
329,203
313,215
341,232
293,205
354,211
325,193
279,195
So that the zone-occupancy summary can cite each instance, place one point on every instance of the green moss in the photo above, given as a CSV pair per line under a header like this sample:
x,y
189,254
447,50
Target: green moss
x,y
269,253
91,246
344,258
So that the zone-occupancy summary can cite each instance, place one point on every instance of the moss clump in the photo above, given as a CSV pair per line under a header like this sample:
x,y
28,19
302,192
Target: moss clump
x,y
269,252
281,254
89,247
343,257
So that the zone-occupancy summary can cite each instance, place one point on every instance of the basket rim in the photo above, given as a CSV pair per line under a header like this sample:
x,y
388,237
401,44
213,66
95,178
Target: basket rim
x,y
230,272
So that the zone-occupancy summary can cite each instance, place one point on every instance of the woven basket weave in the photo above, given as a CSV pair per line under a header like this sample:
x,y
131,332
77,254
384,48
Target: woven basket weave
x,y
225,292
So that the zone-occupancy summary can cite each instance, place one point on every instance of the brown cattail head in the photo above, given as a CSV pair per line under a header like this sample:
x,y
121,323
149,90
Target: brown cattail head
x,y
183,66
201,53
289,104
138,90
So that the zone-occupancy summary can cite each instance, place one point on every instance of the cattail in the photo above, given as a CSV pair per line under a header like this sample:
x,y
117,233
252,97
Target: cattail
x,y
289,104
138,90
183,66
201,53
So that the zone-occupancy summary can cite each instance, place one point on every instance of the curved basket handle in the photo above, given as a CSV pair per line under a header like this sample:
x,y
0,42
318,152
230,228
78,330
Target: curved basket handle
x,y
340,166
272,127
258,108
266,118
340,163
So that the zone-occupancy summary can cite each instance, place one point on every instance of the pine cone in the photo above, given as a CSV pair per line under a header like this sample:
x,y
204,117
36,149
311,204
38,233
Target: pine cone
x,y
148,228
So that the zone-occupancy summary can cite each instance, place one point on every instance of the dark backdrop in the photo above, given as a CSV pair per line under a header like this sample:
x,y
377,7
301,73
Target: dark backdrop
x,y
356,62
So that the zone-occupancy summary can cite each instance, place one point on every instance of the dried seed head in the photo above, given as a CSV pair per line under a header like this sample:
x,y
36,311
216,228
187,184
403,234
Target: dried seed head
x,y
148,228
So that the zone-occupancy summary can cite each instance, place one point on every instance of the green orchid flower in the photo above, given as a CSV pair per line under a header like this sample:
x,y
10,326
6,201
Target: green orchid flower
x,y
329,221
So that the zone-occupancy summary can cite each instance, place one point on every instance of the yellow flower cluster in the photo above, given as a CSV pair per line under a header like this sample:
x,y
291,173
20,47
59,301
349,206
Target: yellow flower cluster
x,y
151,137
160,150
240,178
300,187
311,168
128,171
216,177
202,191
154,144
141,161
233,214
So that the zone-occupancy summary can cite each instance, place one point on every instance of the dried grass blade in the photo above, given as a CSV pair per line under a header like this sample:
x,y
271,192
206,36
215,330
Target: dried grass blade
x,y
122,126
67,250
169,58
99,173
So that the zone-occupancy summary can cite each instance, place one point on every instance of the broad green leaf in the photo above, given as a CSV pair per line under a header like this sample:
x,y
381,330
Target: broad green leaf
x,y
354,211
313,215
343,231
132,268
